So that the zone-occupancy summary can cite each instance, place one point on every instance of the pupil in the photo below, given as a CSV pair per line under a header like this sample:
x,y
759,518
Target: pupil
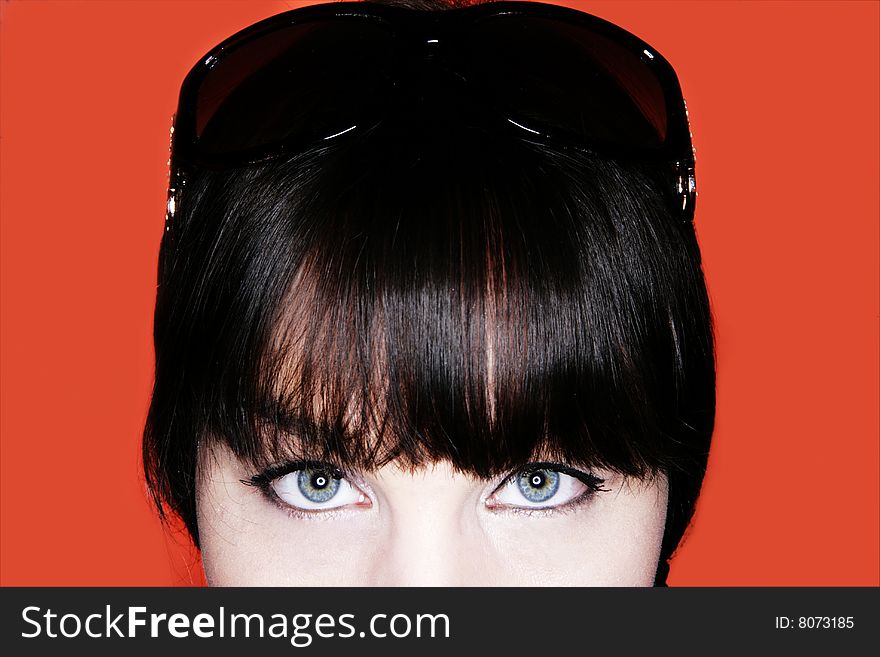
x,y
537,480
320,481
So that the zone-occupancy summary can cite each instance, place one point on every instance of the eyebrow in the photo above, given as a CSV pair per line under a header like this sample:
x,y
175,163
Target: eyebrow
x,y
291,422
292,435
300,436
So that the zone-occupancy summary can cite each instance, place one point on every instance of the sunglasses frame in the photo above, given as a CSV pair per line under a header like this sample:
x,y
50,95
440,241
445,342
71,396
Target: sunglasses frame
x,y
677,151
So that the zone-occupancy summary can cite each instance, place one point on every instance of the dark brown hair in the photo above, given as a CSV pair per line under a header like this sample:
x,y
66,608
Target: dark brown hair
x,y
432,289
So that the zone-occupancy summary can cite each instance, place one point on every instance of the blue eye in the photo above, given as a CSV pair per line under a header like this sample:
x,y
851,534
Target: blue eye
x,y
538,485
544,486
316,488
317,485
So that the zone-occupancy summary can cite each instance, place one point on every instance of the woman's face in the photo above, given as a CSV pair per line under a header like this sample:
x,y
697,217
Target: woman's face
x,y
429,527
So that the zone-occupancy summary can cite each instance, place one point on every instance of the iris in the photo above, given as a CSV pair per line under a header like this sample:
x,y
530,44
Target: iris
x,y
538,485
317,485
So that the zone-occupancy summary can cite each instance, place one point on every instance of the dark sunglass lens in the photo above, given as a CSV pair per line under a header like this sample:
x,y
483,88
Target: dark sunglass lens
x,y
570,78
294,84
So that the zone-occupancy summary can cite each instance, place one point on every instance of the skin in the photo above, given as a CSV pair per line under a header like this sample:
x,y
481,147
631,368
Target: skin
x,y
429,527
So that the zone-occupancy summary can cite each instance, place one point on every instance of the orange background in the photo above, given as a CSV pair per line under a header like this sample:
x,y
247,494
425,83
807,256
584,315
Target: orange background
x,y
783,99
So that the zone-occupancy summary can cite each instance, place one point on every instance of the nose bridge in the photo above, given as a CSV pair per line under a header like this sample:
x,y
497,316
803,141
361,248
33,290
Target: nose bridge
x,y
431,538
424,554
431,70
432,28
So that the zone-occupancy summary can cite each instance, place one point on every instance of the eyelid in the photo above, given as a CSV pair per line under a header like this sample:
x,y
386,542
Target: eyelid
x,y
277,470
587,478
593,485
265,479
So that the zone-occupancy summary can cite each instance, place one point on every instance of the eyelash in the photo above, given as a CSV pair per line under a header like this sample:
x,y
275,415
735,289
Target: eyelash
x,y
593,483
263,482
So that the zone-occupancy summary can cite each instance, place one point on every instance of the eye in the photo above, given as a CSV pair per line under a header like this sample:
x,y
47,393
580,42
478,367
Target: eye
x,y
310,487
544,486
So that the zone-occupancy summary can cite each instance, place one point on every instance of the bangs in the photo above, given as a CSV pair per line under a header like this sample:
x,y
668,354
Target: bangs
x,y
516,306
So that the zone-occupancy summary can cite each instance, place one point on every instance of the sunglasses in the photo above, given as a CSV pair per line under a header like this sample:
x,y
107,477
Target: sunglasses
x,y
325,72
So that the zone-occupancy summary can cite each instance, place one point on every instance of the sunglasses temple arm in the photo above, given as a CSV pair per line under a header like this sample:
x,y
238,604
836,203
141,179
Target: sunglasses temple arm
x,y
685,188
